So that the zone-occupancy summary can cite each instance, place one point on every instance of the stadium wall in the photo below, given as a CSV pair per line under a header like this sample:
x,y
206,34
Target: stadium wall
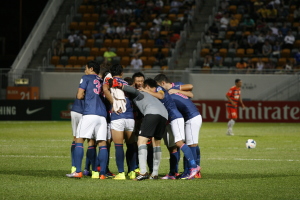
x,y
211,111
55,85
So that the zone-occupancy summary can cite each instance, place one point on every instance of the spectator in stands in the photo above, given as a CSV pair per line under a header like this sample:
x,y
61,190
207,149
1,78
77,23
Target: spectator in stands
x,y
160,58
276,49
218,60
82,39
175,5
288,67
274,28
283,13
136,63
108,55
248,24
259,66
213,30
174,37
233,23
224,5
110,32
72,40
289,40
218,15
157,20
234,43
58,48
137,48
159,4
263,13
297,59
224,22
269,67
280,38
110,13
272,14
241,66
261,25
208,41
270,37
154,31
137,32
166,23
284,29
267,49
250,67
121,31
297,13
127,11
252,41
261,38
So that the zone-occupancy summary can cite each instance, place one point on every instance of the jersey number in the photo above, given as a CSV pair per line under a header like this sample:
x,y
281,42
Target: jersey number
x,y
98,86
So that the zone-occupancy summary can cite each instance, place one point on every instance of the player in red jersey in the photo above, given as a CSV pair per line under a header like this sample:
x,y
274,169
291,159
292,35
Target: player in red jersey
x,y
234,96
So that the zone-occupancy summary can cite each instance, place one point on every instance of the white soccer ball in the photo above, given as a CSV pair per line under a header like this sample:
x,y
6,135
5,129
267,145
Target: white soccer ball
x,y
250,144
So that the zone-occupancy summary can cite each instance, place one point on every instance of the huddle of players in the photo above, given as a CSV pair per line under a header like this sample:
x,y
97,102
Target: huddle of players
x,y
164,106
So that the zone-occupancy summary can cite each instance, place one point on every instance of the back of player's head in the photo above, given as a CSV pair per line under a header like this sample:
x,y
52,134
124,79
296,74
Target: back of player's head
x,y
95,65
116,70
137,74
128,80
150,82
161,77
237,80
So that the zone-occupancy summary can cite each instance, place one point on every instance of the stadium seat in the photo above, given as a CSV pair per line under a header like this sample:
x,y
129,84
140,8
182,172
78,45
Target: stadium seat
x,y
204,52
90,43
281,62
90,26
99,59
249,52
98,43
94,17
64,60
81,60
69,51
121,52
147,52
87,33
165,51
89,58
86,51
82,9
95,52
107,43
223,52
124,43
72,60
90,9
165,67
285,53
77,51
86,17
116,43
55,60
82,26
73,26
116,60
125,60
150,43
240,52
102,50
77,17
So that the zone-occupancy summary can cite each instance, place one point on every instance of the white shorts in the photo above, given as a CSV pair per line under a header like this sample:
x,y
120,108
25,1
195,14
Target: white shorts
x,y
122,125
175,132
92,127
192,130
75,119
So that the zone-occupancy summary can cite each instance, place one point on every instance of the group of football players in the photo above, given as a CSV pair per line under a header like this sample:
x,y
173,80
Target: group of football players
x,y
140,112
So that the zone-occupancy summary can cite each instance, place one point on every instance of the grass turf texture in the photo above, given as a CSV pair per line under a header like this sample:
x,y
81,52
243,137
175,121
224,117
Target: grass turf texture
x,y
35,156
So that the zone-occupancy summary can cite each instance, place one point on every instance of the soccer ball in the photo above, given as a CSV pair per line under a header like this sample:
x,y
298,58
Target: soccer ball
x,y
250,144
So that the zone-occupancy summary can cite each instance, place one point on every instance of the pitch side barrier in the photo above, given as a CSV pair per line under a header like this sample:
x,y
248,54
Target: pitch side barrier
x,y
255,111
211,111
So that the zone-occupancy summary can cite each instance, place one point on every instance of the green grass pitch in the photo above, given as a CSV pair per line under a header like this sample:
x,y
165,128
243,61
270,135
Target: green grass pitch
x,y
35,156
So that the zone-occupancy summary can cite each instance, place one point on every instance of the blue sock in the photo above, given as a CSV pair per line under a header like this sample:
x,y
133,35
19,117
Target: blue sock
x,y
178,160
78,155
198,155
194,151
173,163
131,155
103,157
108,155
72,153
91,158
188,155
119,157
185,166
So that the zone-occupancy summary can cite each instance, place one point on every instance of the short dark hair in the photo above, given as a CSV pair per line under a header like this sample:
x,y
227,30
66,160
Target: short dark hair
x,y
150,82
95,65
116,70
128,80
137,74
237,80
161,77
